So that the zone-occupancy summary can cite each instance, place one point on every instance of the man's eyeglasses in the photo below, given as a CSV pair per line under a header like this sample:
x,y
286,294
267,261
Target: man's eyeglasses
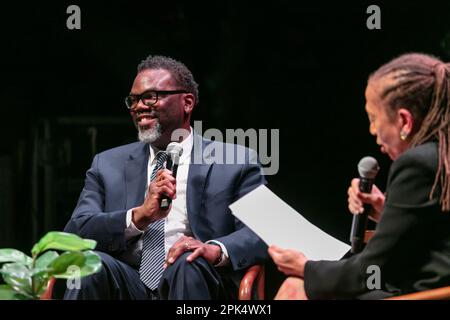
x,y
149,98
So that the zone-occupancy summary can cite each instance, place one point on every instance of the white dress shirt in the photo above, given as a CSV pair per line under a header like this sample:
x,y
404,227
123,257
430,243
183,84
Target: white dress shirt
x,y
176,223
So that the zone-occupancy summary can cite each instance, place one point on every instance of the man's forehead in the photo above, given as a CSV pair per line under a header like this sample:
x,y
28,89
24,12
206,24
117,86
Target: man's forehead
x,y
158,79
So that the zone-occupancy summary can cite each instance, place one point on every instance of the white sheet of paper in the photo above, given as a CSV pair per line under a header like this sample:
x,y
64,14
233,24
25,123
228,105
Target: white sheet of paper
x,y
275,222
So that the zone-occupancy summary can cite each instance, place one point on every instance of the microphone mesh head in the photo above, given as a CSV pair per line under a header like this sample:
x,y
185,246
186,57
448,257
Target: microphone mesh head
x,y
368,167
175,150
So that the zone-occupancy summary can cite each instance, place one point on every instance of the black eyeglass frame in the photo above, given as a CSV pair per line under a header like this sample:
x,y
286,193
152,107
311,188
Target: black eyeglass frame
x,y
139,97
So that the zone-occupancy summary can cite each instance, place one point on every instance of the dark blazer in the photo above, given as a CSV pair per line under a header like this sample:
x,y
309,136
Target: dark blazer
x,y
117,181
411,245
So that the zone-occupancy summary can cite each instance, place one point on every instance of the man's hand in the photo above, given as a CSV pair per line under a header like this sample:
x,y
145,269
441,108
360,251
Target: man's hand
x,y
149,211
209,252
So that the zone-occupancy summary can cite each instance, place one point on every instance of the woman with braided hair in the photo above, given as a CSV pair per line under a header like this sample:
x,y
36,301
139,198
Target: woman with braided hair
x,y
408,104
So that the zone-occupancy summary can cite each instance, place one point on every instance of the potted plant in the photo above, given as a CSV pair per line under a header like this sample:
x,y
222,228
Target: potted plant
x,y
33,277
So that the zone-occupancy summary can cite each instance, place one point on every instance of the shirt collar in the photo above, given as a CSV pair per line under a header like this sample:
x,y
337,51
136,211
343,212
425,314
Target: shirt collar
x,y
186,144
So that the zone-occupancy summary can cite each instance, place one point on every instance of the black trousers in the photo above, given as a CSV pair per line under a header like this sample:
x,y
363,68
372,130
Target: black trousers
x,y
196,280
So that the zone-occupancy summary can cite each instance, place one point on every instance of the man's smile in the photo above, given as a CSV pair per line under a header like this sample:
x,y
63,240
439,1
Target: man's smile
x,y
144,118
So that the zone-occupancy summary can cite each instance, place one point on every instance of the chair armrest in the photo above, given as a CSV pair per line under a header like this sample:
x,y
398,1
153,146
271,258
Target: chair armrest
x,y
368,235
47,295
253,277
433,294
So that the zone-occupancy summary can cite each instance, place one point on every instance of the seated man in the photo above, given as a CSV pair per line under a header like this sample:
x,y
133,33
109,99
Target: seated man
x,y
194,250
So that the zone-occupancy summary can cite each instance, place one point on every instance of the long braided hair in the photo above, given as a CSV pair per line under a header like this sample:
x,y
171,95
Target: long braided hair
x,y
421,84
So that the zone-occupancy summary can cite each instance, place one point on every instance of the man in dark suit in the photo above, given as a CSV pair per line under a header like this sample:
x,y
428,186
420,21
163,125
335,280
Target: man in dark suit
x,y
194,250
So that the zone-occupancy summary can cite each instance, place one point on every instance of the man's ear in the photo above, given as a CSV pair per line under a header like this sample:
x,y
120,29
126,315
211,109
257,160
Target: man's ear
x,y
189,102
405,120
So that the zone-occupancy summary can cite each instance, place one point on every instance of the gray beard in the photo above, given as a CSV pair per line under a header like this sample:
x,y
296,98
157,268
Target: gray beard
x,y
150,135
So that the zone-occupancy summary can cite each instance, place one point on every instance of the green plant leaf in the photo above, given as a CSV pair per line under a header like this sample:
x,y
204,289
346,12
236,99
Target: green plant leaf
x,y
62,241
45,259
13,255
41,267
66,260
92,264
8,293
18,277
41,271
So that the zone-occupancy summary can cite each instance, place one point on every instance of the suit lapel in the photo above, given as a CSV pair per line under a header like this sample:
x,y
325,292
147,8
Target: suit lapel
x,y
197,179
136,169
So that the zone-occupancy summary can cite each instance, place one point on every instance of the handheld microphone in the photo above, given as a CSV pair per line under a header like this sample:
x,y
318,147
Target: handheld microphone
x,y
174,150
368,169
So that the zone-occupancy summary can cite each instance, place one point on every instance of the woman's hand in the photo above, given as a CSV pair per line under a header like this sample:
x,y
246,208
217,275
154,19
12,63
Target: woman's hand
x,y
357,199
288,261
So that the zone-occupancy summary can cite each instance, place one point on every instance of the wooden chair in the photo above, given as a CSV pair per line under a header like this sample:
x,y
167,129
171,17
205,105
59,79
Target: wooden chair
x,y
48,294
433,294
252,284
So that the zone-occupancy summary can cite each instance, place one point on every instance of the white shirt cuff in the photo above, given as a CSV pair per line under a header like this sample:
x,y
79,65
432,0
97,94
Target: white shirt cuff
x,y
225,257
131,230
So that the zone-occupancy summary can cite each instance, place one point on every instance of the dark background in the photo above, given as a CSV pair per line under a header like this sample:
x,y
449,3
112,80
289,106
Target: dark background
x,y
297,66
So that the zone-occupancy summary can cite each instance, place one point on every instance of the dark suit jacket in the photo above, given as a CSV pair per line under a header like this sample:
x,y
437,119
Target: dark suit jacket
x,y
117,181
411,244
